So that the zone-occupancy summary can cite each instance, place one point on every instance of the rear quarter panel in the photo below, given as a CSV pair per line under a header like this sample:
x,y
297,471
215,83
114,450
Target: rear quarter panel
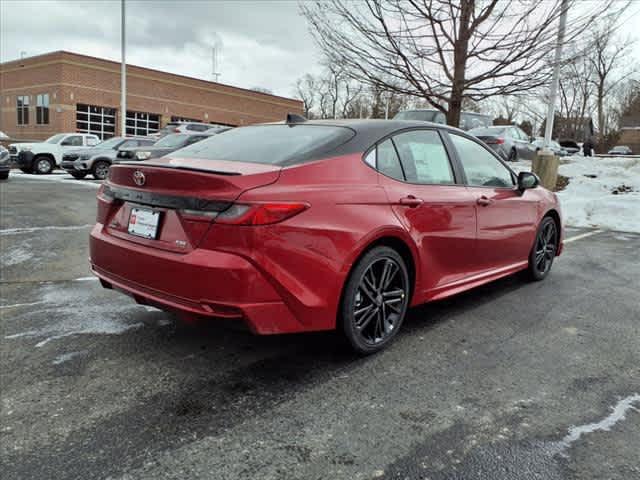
x,y
307,258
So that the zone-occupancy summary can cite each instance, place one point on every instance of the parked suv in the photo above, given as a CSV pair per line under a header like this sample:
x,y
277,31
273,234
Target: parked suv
x,y
181,127
468,120
44,157
162,147
508,141
98,159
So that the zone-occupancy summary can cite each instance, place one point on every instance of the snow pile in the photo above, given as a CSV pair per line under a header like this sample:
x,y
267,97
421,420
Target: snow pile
x,y
589,201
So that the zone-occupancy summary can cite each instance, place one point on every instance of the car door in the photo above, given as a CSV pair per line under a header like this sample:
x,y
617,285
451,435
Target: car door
x,y
437,211
506,217
72,142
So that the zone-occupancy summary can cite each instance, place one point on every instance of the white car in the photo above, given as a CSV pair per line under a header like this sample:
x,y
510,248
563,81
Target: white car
x,y
44,157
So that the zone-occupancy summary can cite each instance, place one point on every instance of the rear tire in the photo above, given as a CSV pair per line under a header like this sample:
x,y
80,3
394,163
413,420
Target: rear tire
x,y
4,175
544,249
43,165
375,300
100,170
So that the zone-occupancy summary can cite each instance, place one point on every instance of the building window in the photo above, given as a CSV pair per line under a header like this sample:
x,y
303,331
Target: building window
x,y
100,121
22,108
142,123
42,109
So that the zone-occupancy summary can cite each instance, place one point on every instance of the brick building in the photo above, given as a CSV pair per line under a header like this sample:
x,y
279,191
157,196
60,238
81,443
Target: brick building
x,y
67,92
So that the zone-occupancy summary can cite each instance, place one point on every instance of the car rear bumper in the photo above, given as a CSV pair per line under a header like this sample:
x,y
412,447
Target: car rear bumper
x,y
197,284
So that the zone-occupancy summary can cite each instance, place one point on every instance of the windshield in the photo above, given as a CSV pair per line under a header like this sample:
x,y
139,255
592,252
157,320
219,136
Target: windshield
x,y
487,132
55,138
111,143
174,140
422,115
270,144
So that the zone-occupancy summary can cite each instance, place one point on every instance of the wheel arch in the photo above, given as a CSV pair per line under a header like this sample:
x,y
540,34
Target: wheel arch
x,y
400,241
49,156
553,213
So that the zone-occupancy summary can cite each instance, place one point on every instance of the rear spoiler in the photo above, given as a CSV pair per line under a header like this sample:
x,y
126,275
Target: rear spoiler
x,y
178,167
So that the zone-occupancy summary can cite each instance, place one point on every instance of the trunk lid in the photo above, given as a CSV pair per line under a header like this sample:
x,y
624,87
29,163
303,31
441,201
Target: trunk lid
x,y
185,193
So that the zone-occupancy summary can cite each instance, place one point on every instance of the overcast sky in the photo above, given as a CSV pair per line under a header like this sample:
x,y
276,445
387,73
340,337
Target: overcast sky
x,y
263,43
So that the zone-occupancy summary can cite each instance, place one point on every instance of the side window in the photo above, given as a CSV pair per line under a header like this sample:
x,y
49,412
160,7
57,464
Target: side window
x,y
129,144
73,141
423,157
480,166
440,118
91,141
388,162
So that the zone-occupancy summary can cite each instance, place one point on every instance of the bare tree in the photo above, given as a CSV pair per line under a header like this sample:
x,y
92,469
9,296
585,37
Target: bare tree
x,y
444,51
306,91
607,57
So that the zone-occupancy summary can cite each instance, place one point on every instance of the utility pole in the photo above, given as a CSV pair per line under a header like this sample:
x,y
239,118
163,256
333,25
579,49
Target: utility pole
x,y
123,72
553,91
545,163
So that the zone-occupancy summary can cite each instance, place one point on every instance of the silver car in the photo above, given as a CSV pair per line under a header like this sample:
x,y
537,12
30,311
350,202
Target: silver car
x,y
508,141
98,159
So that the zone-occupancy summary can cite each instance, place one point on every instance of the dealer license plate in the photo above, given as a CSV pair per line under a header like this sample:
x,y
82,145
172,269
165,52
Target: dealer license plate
x,y
143,222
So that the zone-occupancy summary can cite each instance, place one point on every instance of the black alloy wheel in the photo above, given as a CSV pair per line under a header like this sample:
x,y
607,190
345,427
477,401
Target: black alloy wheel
x,y
375,300
544,249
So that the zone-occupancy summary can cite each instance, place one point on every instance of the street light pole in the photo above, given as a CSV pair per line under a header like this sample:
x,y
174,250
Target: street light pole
x,y
553,91
123,72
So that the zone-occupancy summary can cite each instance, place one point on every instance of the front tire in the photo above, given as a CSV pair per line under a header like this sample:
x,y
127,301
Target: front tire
x,y
100,170
43,165
375,300
544,249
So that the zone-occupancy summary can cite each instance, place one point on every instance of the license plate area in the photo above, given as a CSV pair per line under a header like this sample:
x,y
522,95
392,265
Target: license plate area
x,y
144,222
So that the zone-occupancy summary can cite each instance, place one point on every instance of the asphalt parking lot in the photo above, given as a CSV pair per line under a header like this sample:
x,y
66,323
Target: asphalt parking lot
x,y
512,380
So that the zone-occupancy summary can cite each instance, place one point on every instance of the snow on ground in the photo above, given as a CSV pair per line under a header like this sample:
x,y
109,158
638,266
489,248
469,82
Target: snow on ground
x,y
588,201
57,176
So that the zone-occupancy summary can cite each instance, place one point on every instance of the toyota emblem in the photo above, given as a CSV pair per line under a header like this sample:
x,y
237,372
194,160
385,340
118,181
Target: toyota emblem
x,y
139,178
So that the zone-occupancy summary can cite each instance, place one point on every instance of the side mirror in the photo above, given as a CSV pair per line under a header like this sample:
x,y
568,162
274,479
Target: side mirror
x,y
527,180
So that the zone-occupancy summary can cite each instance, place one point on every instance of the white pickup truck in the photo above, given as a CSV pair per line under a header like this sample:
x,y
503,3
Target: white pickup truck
x,y
44,157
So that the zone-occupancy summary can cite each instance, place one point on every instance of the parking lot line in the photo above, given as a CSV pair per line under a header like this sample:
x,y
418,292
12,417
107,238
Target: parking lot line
x,y
580,237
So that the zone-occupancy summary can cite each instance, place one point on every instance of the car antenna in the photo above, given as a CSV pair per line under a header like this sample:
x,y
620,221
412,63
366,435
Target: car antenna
x,y
294,118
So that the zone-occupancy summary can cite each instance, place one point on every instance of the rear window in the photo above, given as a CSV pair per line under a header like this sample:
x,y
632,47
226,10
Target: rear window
x,y
270,144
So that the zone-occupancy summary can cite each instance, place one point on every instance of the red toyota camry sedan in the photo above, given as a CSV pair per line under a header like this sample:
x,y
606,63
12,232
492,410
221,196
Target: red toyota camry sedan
x,y
317,225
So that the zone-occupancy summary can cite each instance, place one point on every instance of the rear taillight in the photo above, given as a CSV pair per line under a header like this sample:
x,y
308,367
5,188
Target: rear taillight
x,y
259,213
105,200
498,140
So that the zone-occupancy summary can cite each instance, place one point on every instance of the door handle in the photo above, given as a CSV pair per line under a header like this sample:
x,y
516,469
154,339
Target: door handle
x,y
484,201
411,201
